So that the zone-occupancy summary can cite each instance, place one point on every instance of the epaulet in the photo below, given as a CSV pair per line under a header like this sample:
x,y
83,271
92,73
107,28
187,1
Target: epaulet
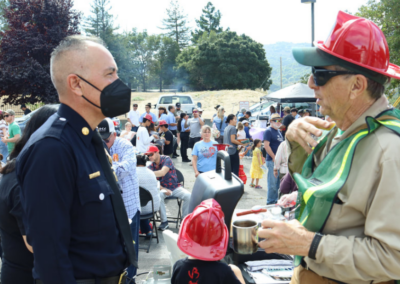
x,y
53,127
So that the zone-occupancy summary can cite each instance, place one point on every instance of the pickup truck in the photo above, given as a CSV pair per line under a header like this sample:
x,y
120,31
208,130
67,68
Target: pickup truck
x,y
187,102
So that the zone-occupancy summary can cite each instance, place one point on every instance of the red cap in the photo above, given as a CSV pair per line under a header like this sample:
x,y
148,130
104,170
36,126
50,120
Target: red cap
x,y
151,149
203,233
162,122
149,117
361,42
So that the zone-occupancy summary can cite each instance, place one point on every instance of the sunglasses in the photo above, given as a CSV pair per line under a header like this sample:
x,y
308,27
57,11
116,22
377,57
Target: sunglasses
x,y
7,115
322,76
135,106
195,112
150,155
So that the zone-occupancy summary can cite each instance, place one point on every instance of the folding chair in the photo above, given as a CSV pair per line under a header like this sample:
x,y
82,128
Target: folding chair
x,y
177,220
145,197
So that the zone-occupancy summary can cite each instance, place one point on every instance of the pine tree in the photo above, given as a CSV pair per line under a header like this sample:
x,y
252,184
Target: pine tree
x,y
35,28
175,25
101,22
209,21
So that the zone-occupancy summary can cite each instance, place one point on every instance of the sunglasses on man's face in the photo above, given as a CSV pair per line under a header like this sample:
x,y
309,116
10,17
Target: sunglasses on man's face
x,y
150,155
135,106
7,115
195,112
322,76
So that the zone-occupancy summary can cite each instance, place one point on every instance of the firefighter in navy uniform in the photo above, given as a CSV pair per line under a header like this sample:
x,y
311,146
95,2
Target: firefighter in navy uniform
x,y
74,214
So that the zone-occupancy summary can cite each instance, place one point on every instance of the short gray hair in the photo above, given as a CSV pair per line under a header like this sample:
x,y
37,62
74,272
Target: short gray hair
x,y
374,89
70,43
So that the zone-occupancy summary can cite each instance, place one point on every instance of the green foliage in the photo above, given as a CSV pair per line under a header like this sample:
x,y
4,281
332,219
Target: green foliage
x,y
176,25
3,20
101,24
291,70
225,61
137,99
143,49
209,21
164,61
304,78
386,14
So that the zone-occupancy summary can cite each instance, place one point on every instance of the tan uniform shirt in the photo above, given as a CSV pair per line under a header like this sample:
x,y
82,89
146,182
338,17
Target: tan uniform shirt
x,y
362,242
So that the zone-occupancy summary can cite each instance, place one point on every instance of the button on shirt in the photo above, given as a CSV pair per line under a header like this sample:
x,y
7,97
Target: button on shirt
x,y
170,180
171,119
69,218
153,116
125,169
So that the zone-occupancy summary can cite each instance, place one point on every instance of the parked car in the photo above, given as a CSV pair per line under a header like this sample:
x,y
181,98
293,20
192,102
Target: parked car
x,y
21,121
187,102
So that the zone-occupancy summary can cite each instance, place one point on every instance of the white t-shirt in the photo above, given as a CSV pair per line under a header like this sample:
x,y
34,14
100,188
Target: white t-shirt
x,y
127,136
241,134
134,117
143,139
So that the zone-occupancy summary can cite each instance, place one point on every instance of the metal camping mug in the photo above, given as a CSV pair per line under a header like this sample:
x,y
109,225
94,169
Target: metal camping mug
x,y
245,236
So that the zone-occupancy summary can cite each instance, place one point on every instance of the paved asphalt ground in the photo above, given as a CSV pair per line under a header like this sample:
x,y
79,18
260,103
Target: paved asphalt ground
x,y
158,254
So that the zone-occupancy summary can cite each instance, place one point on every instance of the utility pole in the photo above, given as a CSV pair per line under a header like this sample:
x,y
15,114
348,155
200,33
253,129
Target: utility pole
x,y
281,72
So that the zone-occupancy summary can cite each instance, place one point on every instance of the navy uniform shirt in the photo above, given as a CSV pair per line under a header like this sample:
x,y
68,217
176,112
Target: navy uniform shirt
x,y
69,218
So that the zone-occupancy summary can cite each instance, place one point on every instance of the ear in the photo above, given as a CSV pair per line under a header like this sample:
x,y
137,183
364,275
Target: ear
x,y
74,83
359,85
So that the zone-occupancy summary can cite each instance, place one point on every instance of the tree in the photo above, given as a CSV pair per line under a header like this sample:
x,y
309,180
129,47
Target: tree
x,y
386,14
304,78
35,28
209,21
164,63
175,25
143,48
101,24
3,22
225,61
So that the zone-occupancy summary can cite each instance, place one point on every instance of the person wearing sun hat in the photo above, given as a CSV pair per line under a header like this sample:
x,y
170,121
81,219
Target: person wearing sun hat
x,y
346,228
204,237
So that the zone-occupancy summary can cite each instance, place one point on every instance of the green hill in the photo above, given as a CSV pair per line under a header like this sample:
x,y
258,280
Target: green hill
x,y
291,70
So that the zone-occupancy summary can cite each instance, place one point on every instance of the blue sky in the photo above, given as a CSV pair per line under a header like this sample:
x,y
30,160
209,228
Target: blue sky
x,y
266,21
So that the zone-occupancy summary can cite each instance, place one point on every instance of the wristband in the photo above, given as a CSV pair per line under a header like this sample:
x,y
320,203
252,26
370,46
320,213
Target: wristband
x,y
314,246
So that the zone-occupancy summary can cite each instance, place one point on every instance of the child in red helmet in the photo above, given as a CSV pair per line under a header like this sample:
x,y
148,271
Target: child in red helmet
x,y
204,237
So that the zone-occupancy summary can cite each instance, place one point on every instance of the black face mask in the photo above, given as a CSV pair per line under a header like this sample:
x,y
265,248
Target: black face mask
x,y
115,99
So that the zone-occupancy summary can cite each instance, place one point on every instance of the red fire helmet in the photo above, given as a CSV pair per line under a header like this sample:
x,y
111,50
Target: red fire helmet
x,y
355,40
203,233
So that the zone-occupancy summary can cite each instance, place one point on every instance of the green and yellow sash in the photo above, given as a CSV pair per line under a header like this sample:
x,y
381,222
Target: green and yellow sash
x,y
318,188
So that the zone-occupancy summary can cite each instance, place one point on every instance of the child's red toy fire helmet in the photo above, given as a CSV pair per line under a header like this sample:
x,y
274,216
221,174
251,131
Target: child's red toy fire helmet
x,y
203,233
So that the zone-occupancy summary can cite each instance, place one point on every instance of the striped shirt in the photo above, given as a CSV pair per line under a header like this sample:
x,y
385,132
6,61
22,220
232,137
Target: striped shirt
x,y
125,170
